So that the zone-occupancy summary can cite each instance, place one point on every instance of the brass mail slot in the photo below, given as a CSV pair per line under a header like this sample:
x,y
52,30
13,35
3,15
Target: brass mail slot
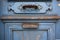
x,y
30,25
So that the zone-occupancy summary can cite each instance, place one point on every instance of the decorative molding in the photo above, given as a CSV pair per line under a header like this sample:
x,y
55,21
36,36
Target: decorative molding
x,y
17,7
30,17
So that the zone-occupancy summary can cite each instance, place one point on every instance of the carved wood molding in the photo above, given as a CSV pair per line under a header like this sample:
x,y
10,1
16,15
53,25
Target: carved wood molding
x,y
31,17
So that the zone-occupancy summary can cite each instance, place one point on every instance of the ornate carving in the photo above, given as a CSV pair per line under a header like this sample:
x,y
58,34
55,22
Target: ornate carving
x,y
32,7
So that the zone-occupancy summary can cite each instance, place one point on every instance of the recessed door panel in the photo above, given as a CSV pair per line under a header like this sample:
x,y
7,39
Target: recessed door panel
x,y
29,35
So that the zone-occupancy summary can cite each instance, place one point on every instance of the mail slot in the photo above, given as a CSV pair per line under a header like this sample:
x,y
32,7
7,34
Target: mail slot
x,y
30,6
30,25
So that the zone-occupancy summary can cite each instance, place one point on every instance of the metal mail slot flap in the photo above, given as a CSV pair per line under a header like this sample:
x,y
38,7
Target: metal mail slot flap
x,y
30,25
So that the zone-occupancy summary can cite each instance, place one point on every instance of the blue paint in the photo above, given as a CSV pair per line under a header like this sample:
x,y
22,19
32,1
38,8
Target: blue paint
x,y
56,10
1,30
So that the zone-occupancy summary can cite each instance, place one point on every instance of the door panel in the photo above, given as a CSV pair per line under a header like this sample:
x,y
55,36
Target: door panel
x,y
29,35
15,31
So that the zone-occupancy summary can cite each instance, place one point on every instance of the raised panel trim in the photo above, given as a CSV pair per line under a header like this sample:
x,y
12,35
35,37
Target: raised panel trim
x,y
51,30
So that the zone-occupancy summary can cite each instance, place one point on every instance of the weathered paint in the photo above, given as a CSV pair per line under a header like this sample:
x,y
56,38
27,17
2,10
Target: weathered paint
x,y
3,11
